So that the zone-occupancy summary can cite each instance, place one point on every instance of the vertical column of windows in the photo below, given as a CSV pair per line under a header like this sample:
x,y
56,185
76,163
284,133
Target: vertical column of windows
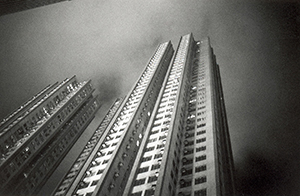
x,y
193,164
95,170
19,136
200,139
187,154
70,176
39,139
48,157
22,107
146,181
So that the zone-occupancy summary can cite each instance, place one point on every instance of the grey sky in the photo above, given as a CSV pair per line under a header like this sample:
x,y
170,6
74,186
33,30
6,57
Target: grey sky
x,y
256,44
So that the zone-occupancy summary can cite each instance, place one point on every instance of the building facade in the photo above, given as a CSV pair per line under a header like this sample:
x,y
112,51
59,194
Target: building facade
x,y
36,137
12,6
168,137
186,149
87,150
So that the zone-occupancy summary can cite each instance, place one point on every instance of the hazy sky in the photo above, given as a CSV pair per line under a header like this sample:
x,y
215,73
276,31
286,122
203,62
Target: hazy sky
x,y
256,44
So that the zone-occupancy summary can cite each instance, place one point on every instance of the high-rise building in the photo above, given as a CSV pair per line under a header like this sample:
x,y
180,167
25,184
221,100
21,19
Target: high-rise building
x,y
88,149
12,6
169,135
186,148
36,137
109,164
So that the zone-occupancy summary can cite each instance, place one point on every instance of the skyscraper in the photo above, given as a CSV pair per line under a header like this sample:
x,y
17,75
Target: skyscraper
x,y
37,136
168,137
186,149
11,6
109,164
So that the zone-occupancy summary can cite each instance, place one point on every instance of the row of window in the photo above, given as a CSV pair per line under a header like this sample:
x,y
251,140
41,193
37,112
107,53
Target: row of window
x,y
17,138
162,121
35,143
87,150
200,192
48,156
187,183
129,108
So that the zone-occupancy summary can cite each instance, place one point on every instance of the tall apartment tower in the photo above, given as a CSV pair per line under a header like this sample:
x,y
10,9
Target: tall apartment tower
x,y
108,166
12,6
186,149
36,137
168,137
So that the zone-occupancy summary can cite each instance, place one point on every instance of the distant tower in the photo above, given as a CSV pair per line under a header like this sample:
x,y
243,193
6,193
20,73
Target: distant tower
x,y
169,136
36,137
12,6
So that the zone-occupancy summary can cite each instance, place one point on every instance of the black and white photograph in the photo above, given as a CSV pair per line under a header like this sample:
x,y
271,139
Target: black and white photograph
x,y
142,98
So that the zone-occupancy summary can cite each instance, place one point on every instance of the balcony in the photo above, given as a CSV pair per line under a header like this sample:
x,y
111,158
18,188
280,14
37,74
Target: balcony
x,y
31,130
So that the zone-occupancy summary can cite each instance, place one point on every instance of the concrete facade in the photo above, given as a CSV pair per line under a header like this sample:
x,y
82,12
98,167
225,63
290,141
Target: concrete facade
x,y
36,137
187,149
168,137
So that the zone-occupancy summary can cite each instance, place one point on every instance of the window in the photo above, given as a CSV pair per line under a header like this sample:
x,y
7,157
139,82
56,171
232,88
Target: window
x,y
200,168
186,161
149,149
188,135
83,185
143,169
200,119
105,161
156,125
188,143
110,152
188,151
201,148
139,182
152,179
184,183
157,156
201,132
200,158
201,125
200,180
152,140
164,129
154,132
144,159
94,182
185,172
200,140
149,192
158,118
156,166
201,192
166,122
160,146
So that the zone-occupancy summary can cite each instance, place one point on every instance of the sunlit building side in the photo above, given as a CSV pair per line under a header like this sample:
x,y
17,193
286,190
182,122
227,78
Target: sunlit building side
x,y
169,136
186,149
36,137
71,175
109,165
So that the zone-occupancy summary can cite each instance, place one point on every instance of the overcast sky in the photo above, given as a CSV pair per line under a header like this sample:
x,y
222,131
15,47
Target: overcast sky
x,y
256,44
